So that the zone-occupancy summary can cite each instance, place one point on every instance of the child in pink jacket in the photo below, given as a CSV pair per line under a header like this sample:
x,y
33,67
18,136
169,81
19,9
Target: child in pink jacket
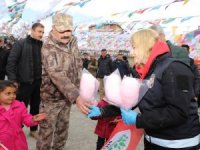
x,y
13,114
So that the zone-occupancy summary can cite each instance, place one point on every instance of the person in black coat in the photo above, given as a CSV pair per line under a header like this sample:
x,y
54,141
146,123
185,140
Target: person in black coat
x,y
195,70
85,61
121,65
104,68
168,110
3,59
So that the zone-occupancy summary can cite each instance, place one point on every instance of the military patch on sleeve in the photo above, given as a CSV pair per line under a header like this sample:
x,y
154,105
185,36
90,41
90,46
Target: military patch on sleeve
x,y
182,83
53,61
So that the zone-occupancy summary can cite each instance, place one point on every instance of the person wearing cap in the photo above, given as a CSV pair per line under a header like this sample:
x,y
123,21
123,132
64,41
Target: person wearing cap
x,y
3,58
61,68
24,68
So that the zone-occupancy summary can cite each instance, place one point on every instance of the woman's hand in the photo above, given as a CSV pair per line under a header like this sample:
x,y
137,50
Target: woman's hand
x,y
129,116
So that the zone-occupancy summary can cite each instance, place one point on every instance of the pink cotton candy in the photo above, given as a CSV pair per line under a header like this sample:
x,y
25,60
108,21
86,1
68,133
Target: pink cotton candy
x,y
112,89
88,86
129,92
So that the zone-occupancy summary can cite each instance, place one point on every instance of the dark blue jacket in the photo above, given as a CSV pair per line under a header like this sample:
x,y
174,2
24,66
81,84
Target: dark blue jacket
x,y
104,66
122,67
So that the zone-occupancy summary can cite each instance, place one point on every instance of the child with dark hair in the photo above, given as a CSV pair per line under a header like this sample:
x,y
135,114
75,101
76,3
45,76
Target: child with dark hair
x,y
13,115
104,126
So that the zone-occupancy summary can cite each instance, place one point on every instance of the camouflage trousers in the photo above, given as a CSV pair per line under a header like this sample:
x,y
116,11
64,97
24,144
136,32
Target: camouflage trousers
x,y
53,131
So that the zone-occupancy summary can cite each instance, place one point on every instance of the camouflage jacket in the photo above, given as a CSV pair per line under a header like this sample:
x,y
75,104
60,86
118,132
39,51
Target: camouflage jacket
x,y
61,68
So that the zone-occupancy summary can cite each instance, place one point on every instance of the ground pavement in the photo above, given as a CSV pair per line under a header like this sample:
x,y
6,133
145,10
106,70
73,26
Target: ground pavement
x,y
81,133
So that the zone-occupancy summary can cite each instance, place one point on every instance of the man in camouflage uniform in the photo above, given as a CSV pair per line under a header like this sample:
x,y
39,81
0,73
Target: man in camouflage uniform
x,y
61,66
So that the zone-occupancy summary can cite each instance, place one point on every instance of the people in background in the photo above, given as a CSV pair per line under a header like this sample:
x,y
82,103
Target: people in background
x,y
125,58
177,52
187,47
196,72
104,68
121,65
85,60
3,58
181,54
93,65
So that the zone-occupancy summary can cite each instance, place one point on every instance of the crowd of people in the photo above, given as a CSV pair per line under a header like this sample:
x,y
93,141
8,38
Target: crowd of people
x,y
46,76
105,65
5,47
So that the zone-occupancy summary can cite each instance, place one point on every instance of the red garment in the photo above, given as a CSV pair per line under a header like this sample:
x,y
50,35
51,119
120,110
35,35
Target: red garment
x,y
159,48
11,121
105,126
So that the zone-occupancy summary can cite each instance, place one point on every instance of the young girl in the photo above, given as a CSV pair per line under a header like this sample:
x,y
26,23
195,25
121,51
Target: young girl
x,y
104,126
13,114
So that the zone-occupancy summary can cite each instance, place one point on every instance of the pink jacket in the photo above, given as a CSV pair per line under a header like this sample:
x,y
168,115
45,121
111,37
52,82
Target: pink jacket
x,y
11,121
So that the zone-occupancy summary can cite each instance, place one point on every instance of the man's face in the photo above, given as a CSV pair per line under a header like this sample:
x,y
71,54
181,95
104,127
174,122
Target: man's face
x,y
62,37
85,56
103,53
120,57
1,42
37,33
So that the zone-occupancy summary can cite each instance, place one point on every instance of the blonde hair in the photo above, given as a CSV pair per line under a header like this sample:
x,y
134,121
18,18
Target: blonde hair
x,y
143,42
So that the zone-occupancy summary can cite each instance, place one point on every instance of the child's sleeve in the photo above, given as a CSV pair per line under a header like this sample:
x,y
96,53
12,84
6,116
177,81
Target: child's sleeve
x,y
110,111
27,118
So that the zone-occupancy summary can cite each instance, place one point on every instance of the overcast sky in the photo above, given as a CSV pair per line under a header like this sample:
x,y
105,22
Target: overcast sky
x,y
98,8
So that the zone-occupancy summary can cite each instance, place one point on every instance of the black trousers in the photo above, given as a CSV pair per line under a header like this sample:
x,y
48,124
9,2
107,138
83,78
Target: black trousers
x,y
29,93
2,76
150,146
100,142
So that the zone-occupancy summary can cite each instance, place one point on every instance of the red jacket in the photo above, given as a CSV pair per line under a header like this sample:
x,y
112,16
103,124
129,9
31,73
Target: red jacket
x,y
105,126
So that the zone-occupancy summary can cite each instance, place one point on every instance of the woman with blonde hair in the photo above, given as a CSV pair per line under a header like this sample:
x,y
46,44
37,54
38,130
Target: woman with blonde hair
x,y
168,111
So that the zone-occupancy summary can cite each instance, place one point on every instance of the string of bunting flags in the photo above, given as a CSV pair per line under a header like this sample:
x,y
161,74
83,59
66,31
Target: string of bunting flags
x,y
16,10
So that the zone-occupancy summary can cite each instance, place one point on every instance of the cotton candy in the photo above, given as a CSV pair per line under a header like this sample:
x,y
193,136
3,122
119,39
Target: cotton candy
x,y
88,86
129,91
112,89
